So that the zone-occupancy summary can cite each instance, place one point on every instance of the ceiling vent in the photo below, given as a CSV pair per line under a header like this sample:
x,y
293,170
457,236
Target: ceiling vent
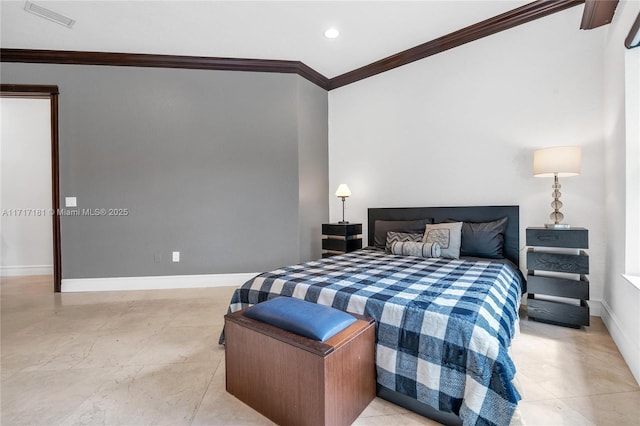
x,y
48,14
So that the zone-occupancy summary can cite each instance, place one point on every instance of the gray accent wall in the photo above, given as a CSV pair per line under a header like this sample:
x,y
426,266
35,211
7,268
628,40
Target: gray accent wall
x,y
313,164
229,168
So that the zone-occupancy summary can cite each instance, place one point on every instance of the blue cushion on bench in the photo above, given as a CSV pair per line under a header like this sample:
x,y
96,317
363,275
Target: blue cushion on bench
x,y
307,319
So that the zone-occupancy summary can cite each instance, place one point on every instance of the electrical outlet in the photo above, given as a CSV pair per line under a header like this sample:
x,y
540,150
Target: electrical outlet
x,y
157,257
175,256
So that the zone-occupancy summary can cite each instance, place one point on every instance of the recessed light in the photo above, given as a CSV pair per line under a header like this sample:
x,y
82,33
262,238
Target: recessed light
x,y
331,33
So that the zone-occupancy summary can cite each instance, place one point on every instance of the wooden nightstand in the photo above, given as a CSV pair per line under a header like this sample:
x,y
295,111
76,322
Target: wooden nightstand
x,y
341,238
552,311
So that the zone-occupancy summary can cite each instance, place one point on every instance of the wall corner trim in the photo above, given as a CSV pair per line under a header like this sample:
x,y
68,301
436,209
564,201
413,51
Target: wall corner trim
x,y
164,282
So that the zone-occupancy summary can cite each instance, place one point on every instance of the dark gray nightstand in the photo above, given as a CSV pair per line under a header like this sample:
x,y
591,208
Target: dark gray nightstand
x,y
557,312
341,238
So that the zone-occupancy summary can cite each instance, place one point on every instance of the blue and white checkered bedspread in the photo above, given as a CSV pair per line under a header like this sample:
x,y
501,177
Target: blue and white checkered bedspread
x,y
443,326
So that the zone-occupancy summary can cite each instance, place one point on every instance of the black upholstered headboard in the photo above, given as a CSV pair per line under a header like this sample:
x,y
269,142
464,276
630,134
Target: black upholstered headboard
x,y
463,214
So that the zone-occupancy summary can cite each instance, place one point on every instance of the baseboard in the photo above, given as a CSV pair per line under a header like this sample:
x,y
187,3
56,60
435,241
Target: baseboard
x,y
23,270
625,346
595,308
155,283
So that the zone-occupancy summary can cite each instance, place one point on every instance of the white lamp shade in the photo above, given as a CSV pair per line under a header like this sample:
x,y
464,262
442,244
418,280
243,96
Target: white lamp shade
x,y
343,191
561,160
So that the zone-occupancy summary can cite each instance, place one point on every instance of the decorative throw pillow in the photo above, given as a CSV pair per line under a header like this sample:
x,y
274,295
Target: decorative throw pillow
x,y
448,235
483,239
383,226
393,237
411,248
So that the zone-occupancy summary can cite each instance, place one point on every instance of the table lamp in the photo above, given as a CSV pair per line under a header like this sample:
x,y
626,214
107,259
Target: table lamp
x,y
557,162
343,192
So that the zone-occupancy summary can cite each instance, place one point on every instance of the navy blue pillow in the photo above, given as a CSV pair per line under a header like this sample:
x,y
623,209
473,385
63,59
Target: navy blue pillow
x,y
483,239
317,322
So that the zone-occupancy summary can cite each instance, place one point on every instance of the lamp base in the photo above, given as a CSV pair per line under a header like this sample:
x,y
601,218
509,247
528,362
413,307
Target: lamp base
x,y
557,226
343,222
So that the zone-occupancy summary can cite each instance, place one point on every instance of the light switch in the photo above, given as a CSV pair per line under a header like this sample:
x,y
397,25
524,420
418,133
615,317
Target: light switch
x,y
175,256
70,202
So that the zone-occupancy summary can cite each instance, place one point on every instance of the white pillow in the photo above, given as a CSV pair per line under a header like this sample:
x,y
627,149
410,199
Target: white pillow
x,y
412,248
448,235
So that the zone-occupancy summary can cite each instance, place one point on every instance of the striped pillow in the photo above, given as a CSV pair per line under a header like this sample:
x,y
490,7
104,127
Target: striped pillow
x,y
411,248
393,237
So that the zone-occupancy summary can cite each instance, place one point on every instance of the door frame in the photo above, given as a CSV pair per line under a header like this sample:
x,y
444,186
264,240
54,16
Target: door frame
x,y
51,93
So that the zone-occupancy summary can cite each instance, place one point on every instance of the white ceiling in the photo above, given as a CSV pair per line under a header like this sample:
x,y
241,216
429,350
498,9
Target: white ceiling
x,y
291,30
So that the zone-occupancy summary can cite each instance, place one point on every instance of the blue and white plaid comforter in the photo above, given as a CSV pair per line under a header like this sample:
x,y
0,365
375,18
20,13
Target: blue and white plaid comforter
x,y
443,327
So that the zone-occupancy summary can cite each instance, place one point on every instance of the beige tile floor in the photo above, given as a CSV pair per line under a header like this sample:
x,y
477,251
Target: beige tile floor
x,y
151,357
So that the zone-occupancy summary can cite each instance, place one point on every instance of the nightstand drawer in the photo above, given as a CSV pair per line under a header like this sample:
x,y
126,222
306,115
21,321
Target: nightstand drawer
x,y
342,230
560,287
558,312
341,238
339,244
558,262
565,238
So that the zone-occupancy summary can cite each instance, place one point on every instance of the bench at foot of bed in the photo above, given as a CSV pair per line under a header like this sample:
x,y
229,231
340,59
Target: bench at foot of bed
x,y
294,380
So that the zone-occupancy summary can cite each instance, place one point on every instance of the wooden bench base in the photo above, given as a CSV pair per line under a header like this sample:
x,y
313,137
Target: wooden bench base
x,y
293,380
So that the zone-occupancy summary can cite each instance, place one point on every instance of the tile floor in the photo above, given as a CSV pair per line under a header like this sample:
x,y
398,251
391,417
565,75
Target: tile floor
x,y
151,357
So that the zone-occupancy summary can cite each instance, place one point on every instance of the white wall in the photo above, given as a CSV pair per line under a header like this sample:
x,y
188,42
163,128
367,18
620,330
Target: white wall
x,y
621,300
26,239
460,128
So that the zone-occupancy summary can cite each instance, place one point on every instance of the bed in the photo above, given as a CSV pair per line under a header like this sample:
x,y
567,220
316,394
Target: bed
x,y
443,326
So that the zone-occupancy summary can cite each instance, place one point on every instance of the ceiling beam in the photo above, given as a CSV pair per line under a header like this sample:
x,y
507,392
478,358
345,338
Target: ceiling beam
x,y
597,13
510,19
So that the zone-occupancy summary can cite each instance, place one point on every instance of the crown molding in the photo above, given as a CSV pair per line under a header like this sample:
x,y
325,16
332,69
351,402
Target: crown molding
x,y
527,13
163,61
518,16
634,32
